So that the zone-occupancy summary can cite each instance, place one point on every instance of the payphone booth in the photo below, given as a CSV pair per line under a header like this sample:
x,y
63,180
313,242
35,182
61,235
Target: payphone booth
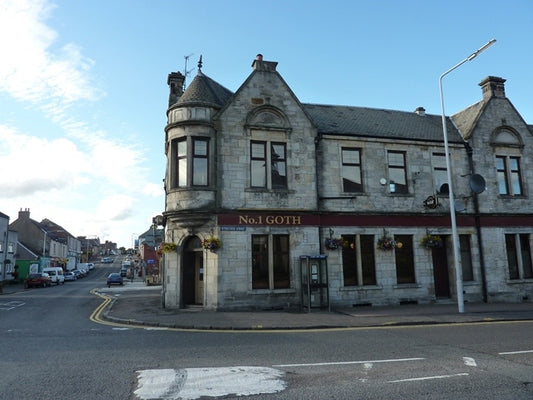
x,y
315,288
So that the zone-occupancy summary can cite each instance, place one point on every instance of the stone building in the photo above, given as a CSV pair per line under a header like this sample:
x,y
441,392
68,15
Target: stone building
x,y
272,203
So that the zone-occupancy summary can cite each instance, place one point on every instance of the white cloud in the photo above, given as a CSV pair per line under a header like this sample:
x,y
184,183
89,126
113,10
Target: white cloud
x,y
38,164
29,71
76,175
116,207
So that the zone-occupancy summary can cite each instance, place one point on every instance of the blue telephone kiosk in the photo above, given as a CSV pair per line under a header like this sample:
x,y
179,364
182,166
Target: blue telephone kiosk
x,y
315,287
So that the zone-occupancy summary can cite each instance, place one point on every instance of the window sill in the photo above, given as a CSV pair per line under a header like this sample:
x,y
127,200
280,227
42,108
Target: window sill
x,y
267,190
400,194
519,281
407,286
191,188
511,196
271,291
356,288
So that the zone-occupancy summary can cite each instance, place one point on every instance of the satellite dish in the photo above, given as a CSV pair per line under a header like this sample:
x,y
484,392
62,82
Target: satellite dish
x,y
477,183
460,205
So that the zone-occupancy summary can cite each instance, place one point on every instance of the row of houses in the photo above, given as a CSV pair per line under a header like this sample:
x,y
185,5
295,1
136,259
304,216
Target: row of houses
x,y
274,203
26,243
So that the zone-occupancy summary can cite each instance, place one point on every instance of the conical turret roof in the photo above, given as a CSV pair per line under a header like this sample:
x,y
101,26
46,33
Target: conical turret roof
x,y
206,92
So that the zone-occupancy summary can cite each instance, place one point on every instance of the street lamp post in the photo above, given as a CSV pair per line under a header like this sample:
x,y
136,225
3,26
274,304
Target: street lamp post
x,y
455,236
44,242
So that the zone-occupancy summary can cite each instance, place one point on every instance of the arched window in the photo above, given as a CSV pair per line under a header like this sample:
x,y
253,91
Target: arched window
x,y
507,145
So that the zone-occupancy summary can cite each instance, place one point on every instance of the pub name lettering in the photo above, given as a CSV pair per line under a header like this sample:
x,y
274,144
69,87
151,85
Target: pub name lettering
x,y
270,220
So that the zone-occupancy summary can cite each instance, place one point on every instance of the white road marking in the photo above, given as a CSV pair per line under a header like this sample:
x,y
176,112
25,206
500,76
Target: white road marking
x,y
195,383
516,352
469,361
121,329
426,378
11,305
348,362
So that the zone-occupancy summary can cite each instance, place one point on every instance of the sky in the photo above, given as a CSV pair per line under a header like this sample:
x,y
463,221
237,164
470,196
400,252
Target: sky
x,y
83,84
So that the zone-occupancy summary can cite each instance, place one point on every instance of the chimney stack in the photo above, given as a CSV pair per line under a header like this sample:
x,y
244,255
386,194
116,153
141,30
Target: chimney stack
x,y
420,111
493,86
24,214
260,65
175,81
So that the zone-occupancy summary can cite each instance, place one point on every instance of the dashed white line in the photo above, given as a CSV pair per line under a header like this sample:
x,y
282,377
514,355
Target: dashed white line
x,y
10,305
348,362
515,352
427,378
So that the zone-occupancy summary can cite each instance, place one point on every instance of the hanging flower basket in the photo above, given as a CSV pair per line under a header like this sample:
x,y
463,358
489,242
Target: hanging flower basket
x,y
429,241
212,244
168,247
334,243
387,243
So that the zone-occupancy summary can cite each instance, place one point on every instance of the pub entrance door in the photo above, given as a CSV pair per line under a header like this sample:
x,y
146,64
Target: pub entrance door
x,y
192,289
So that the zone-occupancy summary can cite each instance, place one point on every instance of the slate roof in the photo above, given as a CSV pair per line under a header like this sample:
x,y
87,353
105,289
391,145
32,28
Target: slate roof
x,y
205,91
466,119
380,123
338,120
24,253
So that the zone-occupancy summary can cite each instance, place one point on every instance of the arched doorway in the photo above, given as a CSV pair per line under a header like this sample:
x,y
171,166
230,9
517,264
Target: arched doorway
x,y
192,290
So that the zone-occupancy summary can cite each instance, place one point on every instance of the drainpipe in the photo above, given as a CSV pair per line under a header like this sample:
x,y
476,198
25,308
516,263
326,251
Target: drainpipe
x,y
469,152
318,139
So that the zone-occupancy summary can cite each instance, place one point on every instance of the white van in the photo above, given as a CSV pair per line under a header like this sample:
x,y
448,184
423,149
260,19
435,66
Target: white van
x,y
56,275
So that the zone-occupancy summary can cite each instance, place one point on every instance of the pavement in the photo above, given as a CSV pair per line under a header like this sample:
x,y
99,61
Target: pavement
x,y
141,305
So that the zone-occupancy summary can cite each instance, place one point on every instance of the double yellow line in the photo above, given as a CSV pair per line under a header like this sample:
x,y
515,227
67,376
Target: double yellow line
x,y
96,314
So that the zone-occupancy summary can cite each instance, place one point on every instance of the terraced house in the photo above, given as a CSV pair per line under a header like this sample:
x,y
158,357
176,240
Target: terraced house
x,y
273,203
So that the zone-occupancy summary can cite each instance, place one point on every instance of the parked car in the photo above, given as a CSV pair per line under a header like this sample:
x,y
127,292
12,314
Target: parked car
x,y
123,271
77,273
41,279
69,276
90,265
107,260
114,279
56,274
